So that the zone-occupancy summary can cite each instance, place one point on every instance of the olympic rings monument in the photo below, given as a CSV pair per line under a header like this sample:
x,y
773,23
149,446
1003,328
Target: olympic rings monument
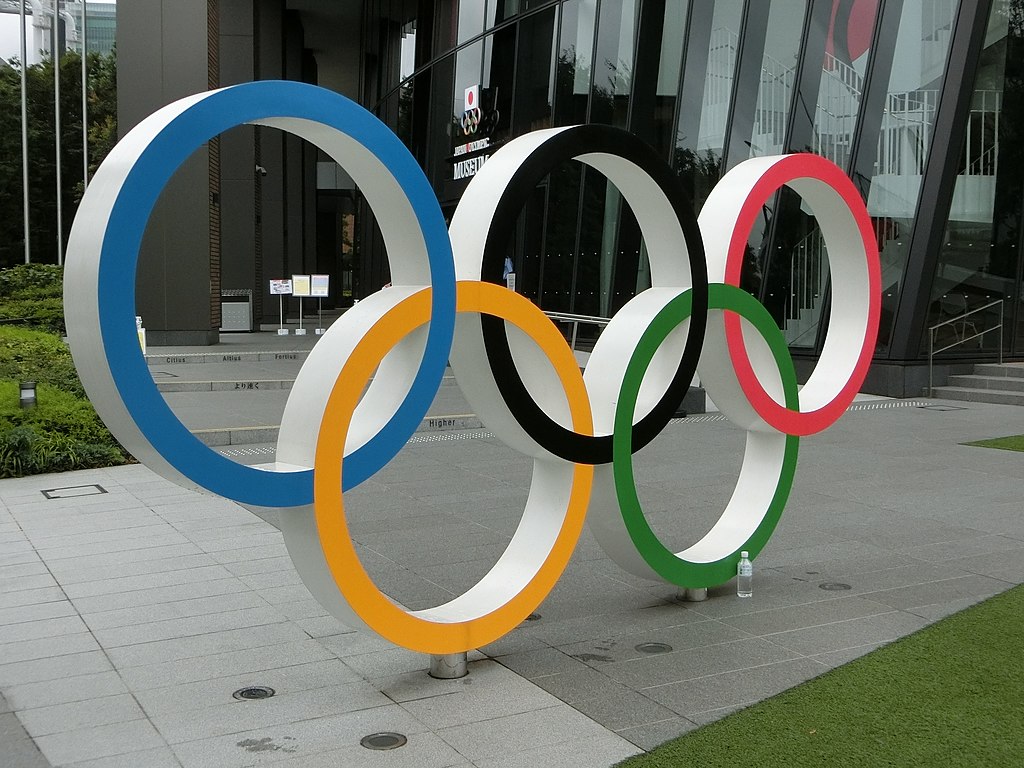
x,y
512,364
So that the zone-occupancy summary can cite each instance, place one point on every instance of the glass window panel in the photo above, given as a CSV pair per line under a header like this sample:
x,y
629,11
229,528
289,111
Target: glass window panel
x,y
613,74
972,271
535,84
698,157
778,74
922,45
842,79
499,76
669,70
575,58
471,19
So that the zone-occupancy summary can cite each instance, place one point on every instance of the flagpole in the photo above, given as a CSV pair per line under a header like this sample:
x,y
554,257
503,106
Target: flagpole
x,y
85,97
55,58
24,128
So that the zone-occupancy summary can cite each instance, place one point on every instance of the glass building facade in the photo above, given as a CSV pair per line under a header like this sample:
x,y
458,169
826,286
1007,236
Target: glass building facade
x,y
920,101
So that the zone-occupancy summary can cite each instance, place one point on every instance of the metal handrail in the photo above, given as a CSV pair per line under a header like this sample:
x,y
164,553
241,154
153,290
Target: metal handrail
x,y
568,317
959,318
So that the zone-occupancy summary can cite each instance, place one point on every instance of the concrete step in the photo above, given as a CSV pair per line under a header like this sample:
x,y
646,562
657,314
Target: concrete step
x,y
1005,383
972,395
268,434
223,386
1007,370
240,385
192,358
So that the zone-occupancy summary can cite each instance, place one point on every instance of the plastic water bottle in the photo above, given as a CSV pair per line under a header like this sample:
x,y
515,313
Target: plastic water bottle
x,y
744,576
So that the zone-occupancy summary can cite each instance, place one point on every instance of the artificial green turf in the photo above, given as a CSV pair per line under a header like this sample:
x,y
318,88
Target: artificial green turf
x,y
951,694
1011,443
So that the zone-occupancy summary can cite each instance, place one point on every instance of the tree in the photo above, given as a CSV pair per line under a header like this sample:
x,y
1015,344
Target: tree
x,y
102,107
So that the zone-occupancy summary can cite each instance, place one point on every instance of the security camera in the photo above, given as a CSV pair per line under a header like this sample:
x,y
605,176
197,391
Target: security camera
x,y
261,170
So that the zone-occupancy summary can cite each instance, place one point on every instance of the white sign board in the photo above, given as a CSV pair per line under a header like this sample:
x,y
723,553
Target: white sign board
x,y
320,285
280,287
300,285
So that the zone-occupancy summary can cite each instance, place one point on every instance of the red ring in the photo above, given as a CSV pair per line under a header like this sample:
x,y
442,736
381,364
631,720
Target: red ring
x,y
791,168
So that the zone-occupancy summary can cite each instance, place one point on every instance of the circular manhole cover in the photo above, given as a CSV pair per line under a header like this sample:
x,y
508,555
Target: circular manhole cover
x,y
653,648
253,692
834,586
383,740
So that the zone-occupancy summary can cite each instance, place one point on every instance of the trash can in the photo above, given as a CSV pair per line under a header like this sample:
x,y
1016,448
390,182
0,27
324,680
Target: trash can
x,y
236,310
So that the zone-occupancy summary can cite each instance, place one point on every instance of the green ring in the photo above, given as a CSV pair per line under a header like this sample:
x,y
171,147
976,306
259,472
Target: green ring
x,y
663,561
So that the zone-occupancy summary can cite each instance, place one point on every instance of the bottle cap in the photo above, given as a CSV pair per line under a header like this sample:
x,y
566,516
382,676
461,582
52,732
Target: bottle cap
x,y
744,554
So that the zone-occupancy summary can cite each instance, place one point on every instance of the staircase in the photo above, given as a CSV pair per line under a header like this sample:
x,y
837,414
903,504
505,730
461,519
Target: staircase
x,y
990,383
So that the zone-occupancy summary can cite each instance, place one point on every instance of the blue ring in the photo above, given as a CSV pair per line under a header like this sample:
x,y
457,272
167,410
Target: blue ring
x,y
218,112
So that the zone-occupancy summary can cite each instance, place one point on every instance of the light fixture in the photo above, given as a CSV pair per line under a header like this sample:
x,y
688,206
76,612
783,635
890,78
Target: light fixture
x,y
28,394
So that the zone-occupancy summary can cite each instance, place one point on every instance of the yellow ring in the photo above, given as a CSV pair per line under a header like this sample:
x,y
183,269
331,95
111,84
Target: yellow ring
x,y
413,629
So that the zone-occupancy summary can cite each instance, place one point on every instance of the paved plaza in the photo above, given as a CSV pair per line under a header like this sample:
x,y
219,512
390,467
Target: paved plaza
x,y
131,610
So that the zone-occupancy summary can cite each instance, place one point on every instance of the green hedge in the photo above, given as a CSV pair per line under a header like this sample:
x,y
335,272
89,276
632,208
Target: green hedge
x,y
39,356
32,295
61,433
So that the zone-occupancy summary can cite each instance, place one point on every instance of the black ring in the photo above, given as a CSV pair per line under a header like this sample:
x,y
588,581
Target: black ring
x,y
567,145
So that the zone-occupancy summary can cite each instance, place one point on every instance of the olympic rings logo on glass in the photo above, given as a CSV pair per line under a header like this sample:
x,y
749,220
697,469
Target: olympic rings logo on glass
x,y
513,365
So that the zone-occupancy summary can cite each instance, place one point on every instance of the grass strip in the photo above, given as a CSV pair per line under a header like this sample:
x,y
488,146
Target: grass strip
x,y
950,694
1011,443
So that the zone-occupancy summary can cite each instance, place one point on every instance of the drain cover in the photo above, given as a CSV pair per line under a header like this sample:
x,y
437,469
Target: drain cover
x,y
253,692
383,740
834,586
653,647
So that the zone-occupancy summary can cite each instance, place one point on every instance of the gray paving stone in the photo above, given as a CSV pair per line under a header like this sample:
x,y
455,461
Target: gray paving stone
x,y
170,553
217,665
75,573
572,753
1006,566
161,757
65,690
423,750
284,680
47,648
690,664
579,684
156,595
23,753
847,634
494,692
624,708
939,592
806,615
540,730
147,581
89,713
34,612
34,568
99,741
280,710
42,628
203,645
178,609
735,688
613,648
188,626
34,582
298,740
651,735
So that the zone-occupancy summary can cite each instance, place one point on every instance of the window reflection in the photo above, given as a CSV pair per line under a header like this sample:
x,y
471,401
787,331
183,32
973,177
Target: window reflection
x,y
922,46
973,272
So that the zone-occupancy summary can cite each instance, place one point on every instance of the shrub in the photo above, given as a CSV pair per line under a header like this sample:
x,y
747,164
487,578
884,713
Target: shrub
x,y
61,433
32,281
33,294
37,355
